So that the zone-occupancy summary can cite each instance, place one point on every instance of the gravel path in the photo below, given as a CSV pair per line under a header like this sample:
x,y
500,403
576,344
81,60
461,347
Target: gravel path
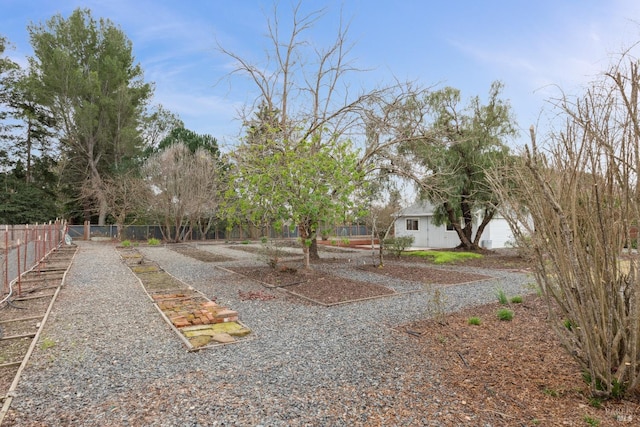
x,y
117,363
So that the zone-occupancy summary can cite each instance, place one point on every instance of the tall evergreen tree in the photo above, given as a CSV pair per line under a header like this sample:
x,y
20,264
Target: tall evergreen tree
x,y
95,93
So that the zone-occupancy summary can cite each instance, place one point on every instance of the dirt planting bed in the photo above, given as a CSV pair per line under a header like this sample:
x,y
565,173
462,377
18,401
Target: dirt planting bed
x,y
315,286
23,311
425,275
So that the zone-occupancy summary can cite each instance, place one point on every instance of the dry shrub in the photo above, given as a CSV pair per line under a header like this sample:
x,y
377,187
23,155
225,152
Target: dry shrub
x,y
575,203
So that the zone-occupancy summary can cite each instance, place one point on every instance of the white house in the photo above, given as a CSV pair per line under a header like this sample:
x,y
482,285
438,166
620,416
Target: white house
x,y
417,221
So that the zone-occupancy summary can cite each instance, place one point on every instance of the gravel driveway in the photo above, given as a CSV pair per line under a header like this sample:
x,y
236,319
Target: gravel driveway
x,y
115,362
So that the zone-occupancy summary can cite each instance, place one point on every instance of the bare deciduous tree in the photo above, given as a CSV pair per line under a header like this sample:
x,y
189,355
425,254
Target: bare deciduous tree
x,y
577,207
185,188
304,99
126,194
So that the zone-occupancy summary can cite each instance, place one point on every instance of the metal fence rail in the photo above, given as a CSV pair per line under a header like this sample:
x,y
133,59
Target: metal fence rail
x,y
23,246
144,232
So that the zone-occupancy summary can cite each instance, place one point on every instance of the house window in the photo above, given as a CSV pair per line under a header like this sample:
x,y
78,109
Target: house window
x,y
412,224
450,227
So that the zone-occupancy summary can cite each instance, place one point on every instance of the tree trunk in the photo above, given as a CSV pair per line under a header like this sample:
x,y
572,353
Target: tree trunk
x,y
488,216
465,241
304,236
313,249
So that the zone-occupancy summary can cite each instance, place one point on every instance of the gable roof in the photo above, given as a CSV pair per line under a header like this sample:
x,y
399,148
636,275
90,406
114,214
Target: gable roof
x,y
420,208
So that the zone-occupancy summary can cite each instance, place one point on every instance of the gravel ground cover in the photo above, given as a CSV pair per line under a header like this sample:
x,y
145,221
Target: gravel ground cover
x,y
115,362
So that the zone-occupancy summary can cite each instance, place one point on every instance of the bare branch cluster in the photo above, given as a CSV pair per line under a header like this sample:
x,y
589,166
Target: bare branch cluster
x,y
575,202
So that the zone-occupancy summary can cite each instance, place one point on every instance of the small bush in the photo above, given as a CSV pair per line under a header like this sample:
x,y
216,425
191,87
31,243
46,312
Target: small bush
x,y
516,300
437,305
505,314
126,243
271,252
502,297
397,245
474,321
245,242
153,242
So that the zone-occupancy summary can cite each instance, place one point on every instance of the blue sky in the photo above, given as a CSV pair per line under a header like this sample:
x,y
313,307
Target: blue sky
x,y
533,47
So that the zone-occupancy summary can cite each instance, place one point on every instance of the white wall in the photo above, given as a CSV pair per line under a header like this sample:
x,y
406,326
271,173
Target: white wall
x,y
427,235
496,234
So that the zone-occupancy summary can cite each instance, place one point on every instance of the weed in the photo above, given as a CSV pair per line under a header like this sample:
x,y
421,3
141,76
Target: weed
x,y
550,392
345,241
126,243
591,421
595,402
505,314
47,343
245,242
153,242
516,300
474,321
502,297
617,389
568,323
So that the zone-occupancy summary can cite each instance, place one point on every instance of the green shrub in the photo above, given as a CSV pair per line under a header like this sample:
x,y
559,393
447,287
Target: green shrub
x,y
505,314
397,245
126,243
474,321
516,300
153,242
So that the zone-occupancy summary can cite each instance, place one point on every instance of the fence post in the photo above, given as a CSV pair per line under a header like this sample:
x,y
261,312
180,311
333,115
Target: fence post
x,y
26,243
19,273
6,259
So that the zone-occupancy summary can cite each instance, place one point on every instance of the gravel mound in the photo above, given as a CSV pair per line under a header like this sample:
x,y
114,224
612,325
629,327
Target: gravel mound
x,y
117,363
